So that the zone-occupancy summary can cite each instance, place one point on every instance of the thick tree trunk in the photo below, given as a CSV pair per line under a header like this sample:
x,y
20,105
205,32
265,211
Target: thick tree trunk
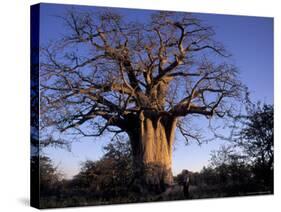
x,y
152,140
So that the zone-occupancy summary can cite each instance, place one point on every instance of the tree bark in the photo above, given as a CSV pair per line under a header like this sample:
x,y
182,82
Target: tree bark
x,y
151,140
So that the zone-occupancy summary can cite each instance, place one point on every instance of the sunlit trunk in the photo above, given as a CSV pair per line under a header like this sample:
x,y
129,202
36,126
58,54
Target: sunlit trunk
x,y
152,143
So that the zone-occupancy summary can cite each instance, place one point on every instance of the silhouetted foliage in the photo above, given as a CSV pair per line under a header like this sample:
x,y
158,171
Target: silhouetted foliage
x,y
256,141
110,176
98,182
245,166
49,176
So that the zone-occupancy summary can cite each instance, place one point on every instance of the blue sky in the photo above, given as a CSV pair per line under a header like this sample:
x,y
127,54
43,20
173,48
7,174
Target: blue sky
x,y
250,41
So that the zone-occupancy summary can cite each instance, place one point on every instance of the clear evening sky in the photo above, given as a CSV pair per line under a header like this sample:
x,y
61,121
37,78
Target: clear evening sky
x,y
250,41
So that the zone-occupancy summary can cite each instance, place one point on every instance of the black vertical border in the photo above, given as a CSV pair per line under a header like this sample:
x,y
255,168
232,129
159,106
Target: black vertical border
x,y
34,105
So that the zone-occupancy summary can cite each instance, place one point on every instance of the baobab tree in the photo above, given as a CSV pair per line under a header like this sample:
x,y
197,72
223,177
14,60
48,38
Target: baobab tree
x,y
107,74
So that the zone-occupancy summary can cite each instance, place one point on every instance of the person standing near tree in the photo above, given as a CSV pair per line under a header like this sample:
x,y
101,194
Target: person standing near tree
x,y
185,181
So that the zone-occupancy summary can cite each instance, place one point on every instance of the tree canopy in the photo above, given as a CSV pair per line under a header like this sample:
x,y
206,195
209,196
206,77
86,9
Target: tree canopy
x,y
107,69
